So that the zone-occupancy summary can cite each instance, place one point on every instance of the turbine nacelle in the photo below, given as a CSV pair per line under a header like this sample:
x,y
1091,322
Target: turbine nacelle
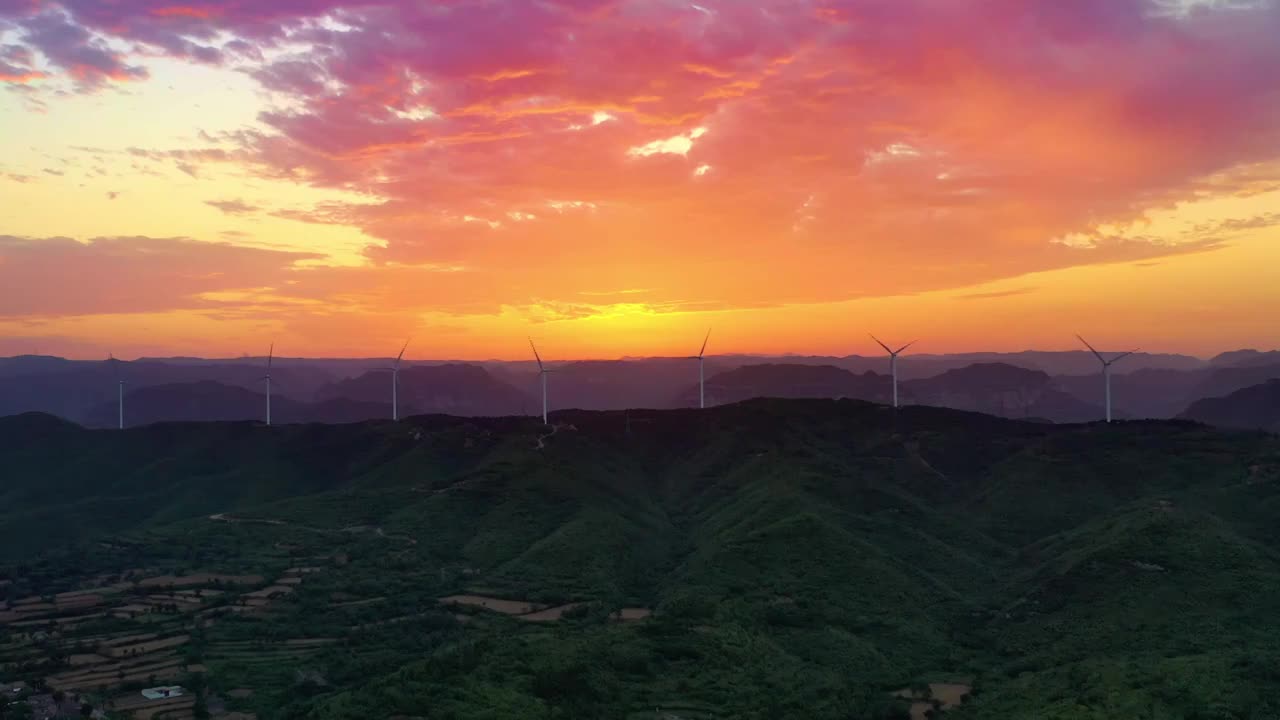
x,y
543,372
1105,362
702,387
892,352
893,362
541,368
1106,370
396,367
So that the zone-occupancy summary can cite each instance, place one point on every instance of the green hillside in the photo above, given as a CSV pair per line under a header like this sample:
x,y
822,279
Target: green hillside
x,y
775,559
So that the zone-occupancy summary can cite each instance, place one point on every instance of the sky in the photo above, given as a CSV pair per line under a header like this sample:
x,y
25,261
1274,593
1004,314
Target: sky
x,y
614,177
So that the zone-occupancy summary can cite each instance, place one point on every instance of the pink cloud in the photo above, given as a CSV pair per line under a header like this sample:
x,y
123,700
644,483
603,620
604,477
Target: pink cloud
x,y
59,276
842,135
71,47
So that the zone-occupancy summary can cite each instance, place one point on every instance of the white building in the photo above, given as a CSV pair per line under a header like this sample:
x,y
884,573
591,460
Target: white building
x,y
166,691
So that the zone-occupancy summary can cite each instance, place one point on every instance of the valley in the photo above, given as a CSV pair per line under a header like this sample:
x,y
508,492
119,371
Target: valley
x,y
766,559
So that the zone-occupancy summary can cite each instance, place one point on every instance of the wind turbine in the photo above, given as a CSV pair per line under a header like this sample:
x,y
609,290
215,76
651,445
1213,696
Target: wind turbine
x,y
395,382
1106,369
542,371
702,388
893,364
115,365
270,352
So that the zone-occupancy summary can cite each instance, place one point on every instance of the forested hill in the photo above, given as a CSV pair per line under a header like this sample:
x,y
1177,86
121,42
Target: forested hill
x,y
800,558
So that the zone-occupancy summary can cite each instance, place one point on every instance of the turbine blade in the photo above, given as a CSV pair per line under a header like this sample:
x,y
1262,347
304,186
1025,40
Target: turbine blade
x,y
904,347
1091,349
270,353
886,347
1123,355
536,355
406,347
703,351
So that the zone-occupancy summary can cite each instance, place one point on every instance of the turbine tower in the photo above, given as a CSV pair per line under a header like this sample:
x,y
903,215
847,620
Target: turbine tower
x,y
270,352
542,372
1106,369
702,388
115,365
893,364
395,383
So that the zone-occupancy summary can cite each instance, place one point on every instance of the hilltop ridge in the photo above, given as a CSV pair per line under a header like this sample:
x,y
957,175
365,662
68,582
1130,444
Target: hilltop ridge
x,y
778,558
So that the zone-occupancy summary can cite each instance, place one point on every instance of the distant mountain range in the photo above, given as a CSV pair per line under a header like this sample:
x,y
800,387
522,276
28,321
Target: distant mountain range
x,y
992,388
207,401
74,389
1251,408
1053,386
1004,390
1157,393
922,365
609,384
451,389
789,381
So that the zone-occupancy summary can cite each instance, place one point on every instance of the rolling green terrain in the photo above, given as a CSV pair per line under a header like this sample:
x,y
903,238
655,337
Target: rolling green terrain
x,y
801,559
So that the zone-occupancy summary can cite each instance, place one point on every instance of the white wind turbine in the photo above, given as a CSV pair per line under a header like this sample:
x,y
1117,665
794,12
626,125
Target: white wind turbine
x,y
115,365
395,383
702,388
270,352
893,363
542,372
1106,370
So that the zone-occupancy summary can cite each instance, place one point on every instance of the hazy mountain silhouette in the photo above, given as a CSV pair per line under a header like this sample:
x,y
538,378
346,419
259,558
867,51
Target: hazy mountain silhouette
x,y
914,365
1002,389
1153,393
617,384
788,381
451,389
1239,358
208,401
73,389
1251,408
1224,381
28,364
1156,386
188,402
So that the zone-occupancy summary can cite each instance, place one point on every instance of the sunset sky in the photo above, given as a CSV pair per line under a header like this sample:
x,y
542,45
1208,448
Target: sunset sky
x,y
612,177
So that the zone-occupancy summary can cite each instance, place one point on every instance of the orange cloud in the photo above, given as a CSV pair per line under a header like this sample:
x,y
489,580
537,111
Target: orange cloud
x,y
851,150
20,76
